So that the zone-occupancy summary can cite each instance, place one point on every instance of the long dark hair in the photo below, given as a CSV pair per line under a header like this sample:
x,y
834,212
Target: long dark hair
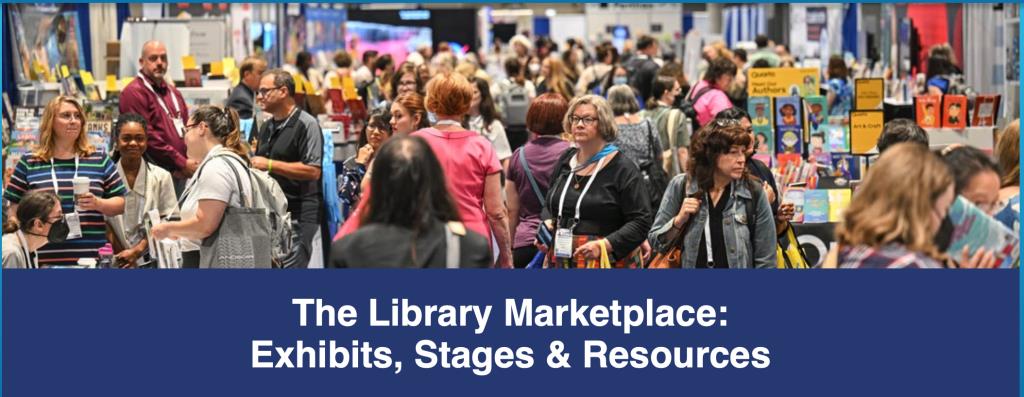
x,y
715,139
224,126
487,108
408,186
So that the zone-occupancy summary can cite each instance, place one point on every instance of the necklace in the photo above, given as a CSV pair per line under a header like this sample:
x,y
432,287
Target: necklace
x,y
577,181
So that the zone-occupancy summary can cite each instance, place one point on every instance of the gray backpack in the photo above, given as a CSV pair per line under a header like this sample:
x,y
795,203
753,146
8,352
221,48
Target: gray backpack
x,y
515,102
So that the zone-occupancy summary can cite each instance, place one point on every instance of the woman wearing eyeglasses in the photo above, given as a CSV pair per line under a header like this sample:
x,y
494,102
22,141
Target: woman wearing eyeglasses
x,y
406,80
63,154
213,138
716,213
40,221
377,131
597,195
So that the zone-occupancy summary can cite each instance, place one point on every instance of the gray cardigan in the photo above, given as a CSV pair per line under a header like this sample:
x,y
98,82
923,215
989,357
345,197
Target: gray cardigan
x,y
743,253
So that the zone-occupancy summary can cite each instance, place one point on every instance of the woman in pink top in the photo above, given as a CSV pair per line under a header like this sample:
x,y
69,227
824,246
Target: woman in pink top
x,y
469,162
710,92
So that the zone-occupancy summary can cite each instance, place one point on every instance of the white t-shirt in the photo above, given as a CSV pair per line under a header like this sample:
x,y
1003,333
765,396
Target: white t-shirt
x,y
217,181
495,133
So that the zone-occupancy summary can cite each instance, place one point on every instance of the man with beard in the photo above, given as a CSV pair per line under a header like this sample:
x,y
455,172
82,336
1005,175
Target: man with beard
x,y
165,112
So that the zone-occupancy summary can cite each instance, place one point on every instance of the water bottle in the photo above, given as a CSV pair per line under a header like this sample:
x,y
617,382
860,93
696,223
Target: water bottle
x,y
106,257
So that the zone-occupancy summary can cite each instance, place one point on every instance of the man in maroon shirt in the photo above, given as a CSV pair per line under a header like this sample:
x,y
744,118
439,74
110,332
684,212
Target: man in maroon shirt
x,y
165,111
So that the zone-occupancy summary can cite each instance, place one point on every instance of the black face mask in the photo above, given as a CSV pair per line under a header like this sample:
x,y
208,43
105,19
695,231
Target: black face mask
x,y
944,237
58,232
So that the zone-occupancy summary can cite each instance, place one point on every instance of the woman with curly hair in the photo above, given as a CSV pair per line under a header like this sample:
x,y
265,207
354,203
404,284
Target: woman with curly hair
x,y
716,213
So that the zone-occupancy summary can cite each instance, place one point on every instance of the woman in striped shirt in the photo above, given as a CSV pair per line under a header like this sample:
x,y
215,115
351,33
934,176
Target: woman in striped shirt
x,y
64,153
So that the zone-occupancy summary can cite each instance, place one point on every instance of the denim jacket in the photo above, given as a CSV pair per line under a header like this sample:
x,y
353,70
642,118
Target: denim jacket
x,y
742,252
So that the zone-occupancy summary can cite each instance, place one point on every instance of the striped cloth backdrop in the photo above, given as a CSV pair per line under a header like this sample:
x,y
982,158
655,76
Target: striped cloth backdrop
x,y
743,23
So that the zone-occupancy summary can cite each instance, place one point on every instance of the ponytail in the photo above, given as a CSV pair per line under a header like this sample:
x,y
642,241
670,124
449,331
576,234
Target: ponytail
x,y
224,124
233,141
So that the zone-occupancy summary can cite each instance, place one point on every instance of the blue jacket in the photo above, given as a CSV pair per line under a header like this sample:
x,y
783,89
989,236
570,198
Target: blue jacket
x,y
743,252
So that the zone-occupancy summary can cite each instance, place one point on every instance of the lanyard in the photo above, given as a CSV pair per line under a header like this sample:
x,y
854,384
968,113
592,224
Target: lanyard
x,y
276,131
447,122
561,201
606,150
140,209
707,231
53,175
163,105
29,262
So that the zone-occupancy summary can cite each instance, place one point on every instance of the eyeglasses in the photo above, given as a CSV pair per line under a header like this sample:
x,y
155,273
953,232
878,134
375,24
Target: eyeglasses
x,y
587,121
406,83
264,91
69,116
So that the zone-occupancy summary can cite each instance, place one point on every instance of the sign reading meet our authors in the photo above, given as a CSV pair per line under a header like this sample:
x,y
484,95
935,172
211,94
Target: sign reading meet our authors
x,y
776,82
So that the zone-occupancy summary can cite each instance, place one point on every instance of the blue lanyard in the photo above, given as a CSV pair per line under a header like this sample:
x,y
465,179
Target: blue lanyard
x,y
606,150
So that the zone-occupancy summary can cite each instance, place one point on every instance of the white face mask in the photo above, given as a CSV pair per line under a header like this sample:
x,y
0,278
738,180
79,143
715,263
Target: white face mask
x,y
534,68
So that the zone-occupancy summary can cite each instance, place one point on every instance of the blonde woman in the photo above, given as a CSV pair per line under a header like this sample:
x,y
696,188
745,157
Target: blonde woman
x,y
554,79
898,218
63,154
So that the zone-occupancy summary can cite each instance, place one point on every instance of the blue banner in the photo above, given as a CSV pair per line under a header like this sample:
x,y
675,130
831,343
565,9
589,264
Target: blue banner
x,y
809,333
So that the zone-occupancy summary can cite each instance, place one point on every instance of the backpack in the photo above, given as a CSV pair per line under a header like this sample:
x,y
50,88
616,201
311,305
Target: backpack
x,y
514,103
687,107
267,194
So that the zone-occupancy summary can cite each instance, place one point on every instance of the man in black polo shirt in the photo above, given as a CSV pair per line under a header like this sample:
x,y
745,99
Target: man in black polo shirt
x,y
290,148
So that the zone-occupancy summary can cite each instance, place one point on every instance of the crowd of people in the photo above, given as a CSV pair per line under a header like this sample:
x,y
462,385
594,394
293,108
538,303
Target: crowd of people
x,y
527,156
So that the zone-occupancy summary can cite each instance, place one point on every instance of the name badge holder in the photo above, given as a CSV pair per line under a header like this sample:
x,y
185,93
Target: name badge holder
x,y
563,236
73,220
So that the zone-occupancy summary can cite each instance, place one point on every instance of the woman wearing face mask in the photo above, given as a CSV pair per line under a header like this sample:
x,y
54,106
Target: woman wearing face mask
x,y
670,123
898,214
64,153
149,188
617,76
716,212
484,118
40,221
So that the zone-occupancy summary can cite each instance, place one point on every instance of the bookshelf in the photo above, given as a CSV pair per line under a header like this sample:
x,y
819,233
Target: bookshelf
x,y
1011,39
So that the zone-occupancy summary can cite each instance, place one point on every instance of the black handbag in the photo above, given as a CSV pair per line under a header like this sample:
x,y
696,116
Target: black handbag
x,y
653,173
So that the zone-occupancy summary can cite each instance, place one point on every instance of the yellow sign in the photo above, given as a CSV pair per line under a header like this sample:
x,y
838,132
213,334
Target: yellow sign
x,y
229,65
87,78
309,87
216,69
64,72
775,82
300,86
348,88
865,127
868,93
127,80
111,83
188,62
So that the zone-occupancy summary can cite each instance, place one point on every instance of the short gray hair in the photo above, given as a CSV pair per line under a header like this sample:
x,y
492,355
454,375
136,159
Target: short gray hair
x,y
622,100
605,121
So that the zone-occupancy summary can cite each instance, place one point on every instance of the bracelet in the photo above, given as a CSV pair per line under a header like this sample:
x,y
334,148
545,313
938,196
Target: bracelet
x,y
270,165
